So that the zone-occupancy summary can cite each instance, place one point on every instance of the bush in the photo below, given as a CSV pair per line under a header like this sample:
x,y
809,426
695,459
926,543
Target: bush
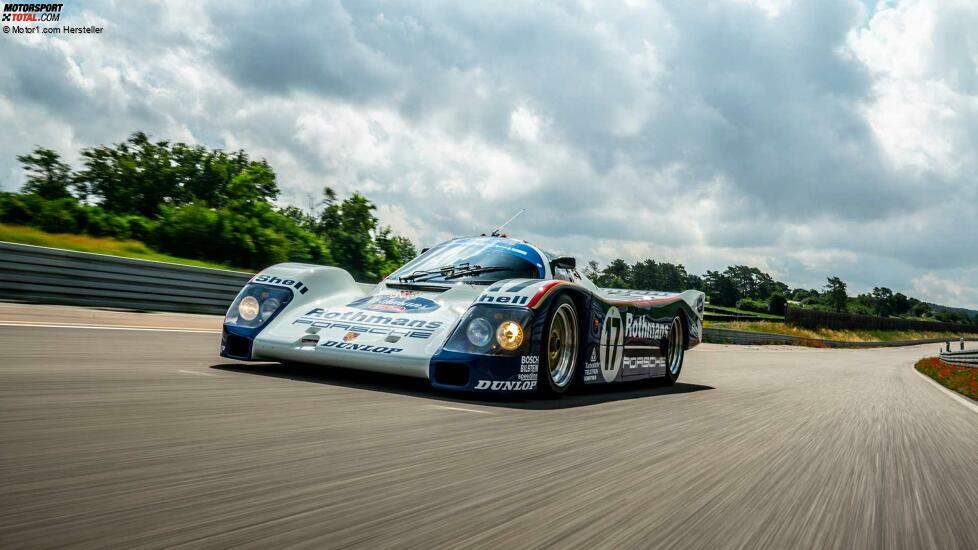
x,y
191,231
777,304
255,239
747,304
16,209
139,228
100,223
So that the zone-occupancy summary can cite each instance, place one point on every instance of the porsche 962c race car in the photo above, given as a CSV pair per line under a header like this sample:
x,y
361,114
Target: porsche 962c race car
x,y
479,314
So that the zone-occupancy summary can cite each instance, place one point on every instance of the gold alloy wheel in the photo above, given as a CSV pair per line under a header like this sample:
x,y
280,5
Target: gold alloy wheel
x,y
562,345
675,351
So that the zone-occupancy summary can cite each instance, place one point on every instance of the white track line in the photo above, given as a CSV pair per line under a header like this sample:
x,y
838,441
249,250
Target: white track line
x,y
954,395
108,327
447,408
197,373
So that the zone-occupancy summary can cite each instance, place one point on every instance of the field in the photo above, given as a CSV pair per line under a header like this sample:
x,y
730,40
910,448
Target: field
x,y
851,335
963,380
99,245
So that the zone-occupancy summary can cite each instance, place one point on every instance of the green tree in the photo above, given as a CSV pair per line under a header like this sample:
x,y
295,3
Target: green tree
x,y
753,283
136,176
253,184
395,251
47,176
801,294
694,282
652,275
140,176
592,271
835,293
920,309
721,289
882,301
349,227
900,304
777,304
617,274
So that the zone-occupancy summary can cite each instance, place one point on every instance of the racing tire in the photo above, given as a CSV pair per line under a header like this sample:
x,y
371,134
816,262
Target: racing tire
x,y
560,348
674,351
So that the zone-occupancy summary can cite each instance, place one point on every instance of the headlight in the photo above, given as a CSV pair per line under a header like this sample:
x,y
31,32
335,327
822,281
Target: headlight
x,y
479,332
257,304
269,307
491,330
248,308
509,335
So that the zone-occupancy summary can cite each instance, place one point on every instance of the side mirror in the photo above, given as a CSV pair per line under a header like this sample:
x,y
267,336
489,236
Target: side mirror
x,y
427,248
564,262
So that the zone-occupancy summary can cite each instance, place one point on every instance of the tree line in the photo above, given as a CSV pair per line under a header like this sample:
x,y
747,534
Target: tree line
x,y
749,288
200,203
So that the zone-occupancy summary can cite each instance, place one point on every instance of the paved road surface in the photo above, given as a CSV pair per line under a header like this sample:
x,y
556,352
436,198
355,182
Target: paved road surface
x,y
123,439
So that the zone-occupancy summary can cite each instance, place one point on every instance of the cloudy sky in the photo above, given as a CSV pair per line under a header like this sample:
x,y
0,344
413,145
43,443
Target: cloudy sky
x,y
807,138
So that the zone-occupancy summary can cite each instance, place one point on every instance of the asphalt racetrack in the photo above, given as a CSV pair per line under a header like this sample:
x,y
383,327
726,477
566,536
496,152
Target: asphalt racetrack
x,y
146,438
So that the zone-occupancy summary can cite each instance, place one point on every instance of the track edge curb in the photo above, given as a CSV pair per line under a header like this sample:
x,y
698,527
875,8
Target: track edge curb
x,y
953,394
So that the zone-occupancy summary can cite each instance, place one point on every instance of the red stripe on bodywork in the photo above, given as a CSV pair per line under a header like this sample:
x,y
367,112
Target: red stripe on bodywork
x,y
543,291
547,287
645,302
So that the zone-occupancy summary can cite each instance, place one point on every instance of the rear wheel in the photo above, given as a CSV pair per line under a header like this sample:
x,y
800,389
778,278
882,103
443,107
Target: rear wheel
x,y
675,350
560,348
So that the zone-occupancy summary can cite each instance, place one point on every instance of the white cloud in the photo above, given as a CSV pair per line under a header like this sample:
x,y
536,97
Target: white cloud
x,y
524,124
946,290
918,114
771,8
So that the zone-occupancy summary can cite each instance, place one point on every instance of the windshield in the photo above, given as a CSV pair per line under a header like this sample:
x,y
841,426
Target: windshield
x,y
479,260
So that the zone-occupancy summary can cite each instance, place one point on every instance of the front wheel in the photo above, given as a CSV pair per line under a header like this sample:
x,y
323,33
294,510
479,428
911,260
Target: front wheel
x,y
559,348
675,350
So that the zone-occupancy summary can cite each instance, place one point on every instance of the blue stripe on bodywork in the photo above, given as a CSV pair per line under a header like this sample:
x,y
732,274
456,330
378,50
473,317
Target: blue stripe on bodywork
x,y
521,285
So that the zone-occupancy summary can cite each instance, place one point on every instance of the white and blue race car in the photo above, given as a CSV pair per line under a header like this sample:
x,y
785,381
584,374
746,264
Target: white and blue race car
x,y
480,314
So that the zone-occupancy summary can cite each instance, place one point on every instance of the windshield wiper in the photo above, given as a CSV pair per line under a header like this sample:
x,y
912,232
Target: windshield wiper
x,y
475,270
443,270
451,272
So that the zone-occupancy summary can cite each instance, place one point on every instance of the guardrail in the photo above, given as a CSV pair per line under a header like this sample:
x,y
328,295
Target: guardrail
x,y
50,275
744,337
962,358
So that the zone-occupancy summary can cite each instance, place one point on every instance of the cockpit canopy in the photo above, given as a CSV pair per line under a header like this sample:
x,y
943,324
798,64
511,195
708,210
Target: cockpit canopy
x,y
474,260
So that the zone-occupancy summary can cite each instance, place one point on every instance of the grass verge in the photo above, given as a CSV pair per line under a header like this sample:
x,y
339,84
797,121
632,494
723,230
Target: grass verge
x,y
963,380
722,310
101,245
841,335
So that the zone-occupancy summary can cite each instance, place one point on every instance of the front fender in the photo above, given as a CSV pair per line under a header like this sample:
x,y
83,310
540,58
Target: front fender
x,y
310,285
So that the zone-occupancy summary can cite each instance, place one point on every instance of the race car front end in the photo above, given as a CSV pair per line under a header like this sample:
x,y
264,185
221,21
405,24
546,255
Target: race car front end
x,y
252,310
493,349
444,336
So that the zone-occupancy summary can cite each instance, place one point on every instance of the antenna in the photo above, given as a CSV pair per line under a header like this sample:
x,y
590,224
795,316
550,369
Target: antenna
x,y
495,233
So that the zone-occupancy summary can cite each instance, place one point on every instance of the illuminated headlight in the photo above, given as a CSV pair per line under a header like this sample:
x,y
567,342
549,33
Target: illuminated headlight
x,y
479,332
509,335
491,330
248,308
